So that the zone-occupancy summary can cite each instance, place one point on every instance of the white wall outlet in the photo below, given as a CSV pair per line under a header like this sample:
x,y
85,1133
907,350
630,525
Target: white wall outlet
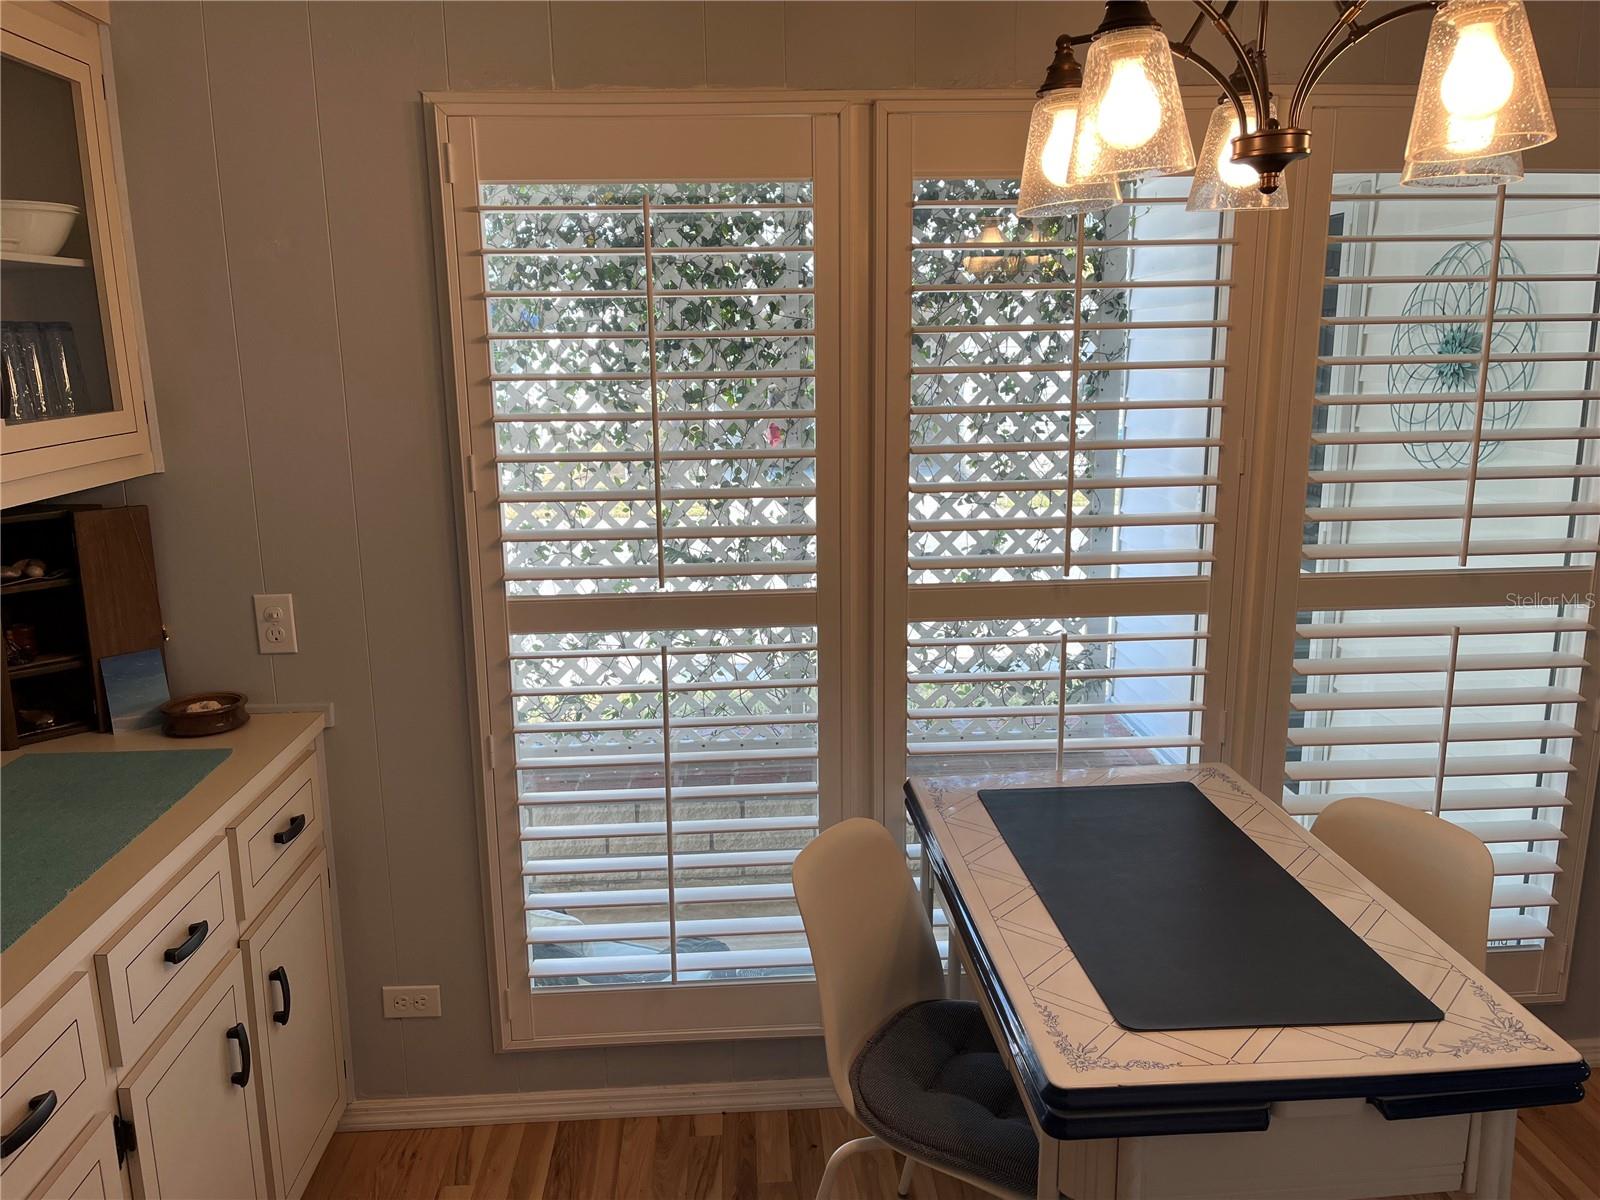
x,y
401,1003
275,624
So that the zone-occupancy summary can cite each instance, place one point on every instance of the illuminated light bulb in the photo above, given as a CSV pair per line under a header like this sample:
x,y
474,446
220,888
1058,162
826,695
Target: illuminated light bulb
x,y
1222,185
1468,135
1479,79
1089,146
1130,113
1057,154
1481,93
1234,174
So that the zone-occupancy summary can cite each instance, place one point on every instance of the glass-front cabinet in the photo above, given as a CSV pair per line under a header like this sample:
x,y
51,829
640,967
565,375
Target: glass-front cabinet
x,y
75,405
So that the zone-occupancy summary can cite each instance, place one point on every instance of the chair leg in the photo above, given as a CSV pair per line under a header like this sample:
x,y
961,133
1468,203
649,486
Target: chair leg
x,y
905,1178
836,1160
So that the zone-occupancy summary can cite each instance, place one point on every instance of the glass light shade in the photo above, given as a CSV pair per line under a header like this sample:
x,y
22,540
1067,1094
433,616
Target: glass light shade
x,y
1466,172
1482,93
1046,191
1222,185
1131,124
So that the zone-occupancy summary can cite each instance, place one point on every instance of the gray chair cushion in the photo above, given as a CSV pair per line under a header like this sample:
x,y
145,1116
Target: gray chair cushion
x,y
931,1084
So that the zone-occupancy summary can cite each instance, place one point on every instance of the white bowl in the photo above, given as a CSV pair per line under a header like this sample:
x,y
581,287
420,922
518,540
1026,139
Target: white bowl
x,y
36,226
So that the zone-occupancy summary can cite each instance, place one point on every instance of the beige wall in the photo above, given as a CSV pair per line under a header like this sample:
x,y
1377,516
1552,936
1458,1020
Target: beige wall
x,y
276,172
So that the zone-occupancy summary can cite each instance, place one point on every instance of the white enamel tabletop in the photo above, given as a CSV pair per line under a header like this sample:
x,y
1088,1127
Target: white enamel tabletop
x,y
1077,1043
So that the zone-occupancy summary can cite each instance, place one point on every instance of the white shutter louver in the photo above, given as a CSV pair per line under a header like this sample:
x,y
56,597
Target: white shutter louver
x,y
1467,713
653,367
652,364
1065,386
1456,397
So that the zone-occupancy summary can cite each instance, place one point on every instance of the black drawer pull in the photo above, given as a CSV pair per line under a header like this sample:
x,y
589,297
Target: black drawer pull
x,y
280,976
40,1109
197,935
297,826
240,1034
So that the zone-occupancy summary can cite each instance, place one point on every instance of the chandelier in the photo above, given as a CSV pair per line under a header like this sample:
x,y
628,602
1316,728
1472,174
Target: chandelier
x,y
1119,117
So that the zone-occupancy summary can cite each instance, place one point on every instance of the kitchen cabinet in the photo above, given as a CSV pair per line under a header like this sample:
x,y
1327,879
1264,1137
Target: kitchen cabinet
x,y
190,988
77,407
295,1002
197,1130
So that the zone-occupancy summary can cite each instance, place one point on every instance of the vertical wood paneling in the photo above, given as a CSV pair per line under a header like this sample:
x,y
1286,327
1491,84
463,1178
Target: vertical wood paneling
x,y
204,513
491,44
370,62
268,161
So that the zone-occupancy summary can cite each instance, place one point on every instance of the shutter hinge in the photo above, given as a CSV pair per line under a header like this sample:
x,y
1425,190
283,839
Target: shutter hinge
x,y
472,473
122,1133
488,752
1222,728
449,162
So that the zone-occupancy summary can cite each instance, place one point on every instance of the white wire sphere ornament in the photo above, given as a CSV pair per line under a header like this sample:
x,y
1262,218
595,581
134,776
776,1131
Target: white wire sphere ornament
x,y
1457,286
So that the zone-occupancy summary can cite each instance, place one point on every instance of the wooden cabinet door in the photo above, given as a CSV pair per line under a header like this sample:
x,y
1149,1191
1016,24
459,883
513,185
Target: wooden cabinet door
x,y
295,999
191,1099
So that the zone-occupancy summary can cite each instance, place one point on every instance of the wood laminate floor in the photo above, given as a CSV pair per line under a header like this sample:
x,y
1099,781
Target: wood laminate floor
x,y
762,1156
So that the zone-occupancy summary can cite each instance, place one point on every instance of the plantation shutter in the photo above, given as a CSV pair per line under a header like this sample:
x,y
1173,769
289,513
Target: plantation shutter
x,y
649,326
1059,394
1441,652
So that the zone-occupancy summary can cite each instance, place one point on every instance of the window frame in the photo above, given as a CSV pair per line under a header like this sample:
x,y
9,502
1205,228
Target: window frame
x,y
1361,130
673,1012
993,148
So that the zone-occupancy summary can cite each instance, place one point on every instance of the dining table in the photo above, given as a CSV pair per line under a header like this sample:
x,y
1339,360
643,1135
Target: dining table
x,y
1378,1061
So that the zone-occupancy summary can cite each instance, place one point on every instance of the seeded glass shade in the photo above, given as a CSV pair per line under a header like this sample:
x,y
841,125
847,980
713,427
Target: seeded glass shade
x,y
1482,93
1046,191
1465,173
1133,124
1222,185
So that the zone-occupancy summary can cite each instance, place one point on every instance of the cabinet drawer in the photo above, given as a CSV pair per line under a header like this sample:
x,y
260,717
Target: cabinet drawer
x,y
151,968
276,836
55,1081
192,1101
90,1170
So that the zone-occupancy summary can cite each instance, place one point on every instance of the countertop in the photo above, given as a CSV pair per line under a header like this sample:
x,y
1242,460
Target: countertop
x,y
269,744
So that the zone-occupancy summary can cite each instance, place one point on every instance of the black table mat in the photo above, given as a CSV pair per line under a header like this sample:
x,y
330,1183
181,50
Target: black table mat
x,y
1182,922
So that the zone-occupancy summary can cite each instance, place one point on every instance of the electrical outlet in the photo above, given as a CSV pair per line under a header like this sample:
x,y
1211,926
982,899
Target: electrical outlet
x,y
275,624
402,1003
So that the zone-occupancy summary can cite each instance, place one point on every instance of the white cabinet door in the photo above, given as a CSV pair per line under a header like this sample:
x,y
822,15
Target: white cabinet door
x,y
196,1126
88,1171
294,996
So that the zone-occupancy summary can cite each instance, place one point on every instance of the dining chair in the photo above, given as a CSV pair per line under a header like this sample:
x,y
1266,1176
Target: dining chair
x,y
1438,872
920,1071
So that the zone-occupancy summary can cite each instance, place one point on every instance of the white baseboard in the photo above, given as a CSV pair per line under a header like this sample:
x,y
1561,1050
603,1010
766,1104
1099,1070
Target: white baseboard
x,y
419,1112
1589,1048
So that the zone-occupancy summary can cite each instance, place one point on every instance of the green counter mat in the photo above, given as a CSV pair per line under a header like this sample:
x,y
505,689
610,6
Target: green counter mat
x,y
64,816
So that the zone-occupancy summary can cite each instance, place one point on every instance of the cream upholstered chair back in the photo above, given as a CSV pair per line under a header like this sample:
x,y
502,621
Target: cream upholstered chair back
x,y
1440,873
871,944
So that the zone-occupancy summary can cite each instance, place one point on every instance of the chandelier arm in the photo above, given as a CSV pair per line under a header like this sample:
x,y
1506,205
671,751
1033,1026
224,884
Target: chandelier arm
x,y
1318,66
1182,51
1258,89
1347,15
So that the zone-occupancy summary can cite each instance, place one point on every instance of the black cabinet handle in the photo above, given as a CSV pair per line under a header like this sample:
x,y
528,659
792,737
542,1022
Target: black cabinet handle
x,y
297,826
280,976
197,934
241,1035
40,1110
